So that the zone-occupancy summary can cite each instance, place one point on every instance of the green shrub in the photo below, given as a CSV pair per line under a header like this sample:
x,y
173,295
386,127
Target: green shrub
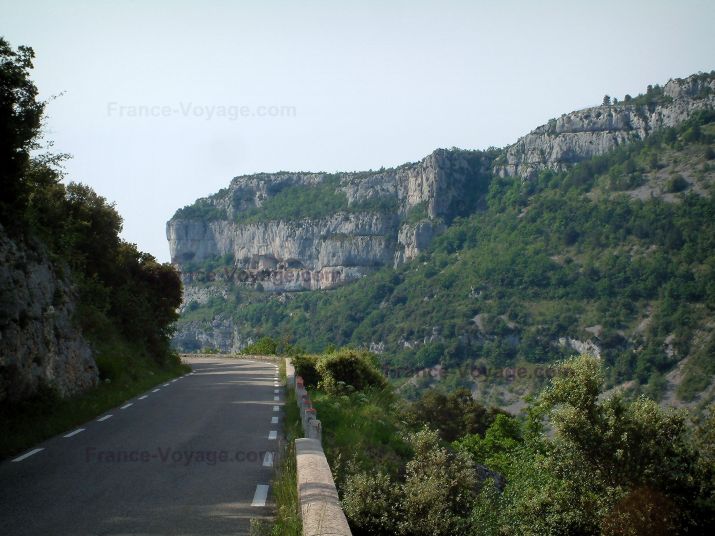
x,y
110,367
676,184
305,367
371,503
263,346
439,490
349,368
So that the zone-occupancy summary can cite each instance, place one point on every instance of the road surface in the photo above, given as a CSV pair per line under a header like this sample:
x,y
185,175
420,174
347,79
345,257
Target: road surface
x,y
193,456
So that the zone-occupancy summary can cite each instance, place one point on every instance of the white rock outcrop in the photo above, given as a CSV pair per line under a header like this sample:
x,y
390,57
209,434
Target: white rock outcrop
x,y
583,134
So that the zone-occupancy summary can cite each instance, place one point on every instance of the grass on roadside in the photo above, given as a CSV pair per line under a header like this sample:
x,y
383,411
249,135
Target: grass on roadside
x,y
30,422
360,430
285,483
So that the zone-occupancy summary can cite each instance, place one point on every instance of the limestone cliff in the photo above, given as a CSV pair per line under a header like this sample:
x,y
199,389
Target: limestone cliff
x,y
39,342
594,131
381,218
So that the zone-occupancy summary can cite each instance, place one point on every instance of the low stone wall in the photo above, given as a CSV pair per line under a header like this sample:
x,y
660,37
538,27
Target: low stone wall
x,y
320,507
319,504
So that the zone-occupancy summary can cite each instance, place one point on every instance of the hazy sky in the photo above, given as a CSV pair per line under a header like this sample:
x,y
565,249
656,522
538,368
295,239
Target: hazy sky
x,y
166,101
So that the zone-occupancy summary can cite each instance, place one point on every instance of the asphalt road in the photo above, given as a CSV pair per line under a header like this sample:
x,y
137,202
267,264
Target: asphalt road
x,y
189,458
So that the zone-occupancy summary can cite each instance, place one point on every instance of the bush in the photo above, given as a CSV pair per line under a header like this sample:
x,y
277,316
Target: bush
x,y
439,490
306,369
371,503
453,415
263,346
434,499
349,367
676,184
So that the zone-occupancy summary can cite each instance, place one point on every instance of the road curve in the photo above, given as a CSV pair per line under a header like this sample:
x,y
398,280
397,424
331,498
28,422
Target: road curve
x,y
192,456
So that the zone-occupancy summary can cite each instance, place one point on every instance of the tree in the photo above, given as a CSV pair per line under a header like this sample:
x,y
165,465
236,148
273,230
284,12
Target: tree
x,y
453,415
612,466
20,121
606,100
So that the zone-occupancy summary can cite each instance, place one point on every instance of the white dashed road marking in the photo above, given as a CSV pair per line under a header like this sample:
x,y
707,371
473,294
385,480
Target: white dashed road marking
x,y
166,385
143,397
275,408
272,434
102,419
77,431
259,498
268,459
274,420
125,406
27,455
155,391
275,399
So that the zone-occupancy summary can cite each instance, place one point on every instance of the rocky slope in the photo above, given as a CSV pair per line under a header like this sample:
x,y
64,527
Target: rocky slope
x,y
39,342
384,217
583,134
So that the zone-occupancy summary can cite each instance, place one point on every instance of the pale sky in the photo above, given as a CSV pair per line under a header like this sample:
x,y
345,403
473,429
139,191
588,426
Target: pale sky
x,y
165,101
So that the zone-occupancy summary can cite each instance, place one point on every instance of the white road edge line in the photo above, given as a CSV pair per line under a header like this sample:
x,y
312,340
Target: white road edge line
x,y
102,419
273,434
259,498
143,397
27,454
274,420
268,459
77,431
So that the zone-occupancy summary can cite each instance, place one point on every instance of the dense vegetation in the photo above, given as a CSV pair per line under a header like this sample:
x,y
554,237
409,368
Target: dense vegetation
x,y
579,462
127,301
577,254
290,203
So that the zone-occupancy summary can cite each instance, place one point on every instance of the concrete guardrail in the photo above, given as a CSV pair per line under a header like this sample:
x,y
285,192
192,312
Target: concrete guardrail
x,y
320,507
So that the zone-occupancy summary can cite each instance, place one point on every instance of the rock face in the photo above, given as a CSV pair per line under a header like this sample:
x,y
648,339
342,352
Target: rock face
x,y
594,131
39,342
387,217
370,229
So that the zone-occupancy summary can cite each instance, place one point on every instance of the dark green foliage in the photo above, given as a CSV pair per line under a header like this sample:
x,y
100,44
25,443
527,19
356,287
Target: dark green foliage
x,y
452,415
263,346
349,369
493,449
305,367
580,463
417,213
202,209
676,184
299,202
20,117
698,371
